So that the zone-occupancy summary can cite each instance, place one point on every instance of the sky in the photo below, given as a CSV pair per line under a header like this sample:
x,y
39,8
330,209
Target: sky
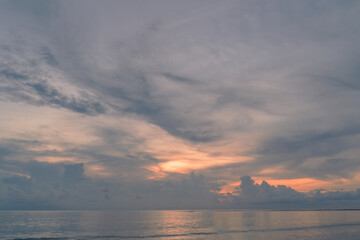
x,y
165,104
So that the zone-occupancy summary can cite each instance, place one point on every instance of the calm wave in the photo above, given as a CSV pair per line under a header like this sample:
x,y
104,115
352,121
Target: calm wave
x,y
211,224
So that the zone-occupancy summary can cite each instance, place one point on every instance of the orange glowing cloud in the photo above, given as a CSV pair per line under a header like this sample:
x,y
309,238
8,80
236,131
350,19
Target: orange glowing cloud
x,y
299,184
178,156
95,170
183,163
55,159
229,187
175,155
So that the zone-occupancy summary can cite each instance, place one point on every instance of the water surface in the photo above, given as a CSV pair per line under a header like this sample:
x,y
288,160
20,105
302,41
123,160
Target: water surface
x,y
165,225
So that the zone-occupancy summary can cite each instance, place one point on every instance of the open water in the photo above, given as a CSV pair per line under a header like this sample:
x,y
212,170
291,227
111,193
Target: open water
x,y
165,225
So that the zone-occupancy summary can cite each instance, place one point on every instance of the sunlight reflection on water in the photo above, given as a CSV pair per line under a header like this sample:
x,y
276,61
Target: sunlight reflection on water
x,y
208,224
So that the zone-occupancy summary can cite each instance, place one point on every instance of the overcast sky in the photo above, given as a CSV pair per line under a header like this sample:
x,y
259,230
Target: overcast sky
x,y
179,104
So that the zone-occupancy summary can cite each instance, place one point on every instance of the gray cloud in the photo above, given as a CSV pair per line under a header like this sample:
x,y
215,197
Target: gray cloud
x,y
13,75
180,79
266,196
66,186
294,151
189,192
49,56
52,96
74,173
20,181
42,93
276,82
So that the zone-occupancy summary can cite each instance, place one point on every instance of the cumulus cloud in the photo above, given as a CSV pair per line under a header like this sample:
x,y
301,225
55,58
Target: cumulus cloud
x,y
252,191
192,191
266,196
74,190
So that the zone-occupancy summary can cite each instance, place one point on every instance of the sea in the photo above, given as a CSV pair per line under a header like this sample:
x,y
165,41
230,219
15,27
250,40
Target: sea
x,y
184,224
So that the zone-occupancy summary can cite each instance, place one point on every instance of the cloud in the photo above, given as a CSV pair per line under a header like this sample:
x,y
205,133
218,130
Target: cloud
x,y
193,191
44,171
189,192
74,173
266,196
13,75
223,89
51,96
21,182
264,192
318,154
49,57
74,190
28,89
180,79
31,74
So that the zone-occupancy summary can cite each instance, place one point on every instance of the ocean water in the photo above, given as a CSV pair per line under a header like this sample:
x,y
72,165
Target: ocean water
x,y
165,225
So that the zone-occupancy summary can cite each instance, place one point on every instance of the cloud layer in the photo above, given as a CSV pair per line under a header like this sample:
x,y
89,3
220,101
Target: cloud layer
x,y
126,103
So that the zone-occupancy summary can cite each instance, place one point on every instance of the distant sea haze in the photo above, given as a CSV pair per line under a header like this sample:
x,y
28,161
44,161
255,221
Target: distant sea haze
x,y
180,224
